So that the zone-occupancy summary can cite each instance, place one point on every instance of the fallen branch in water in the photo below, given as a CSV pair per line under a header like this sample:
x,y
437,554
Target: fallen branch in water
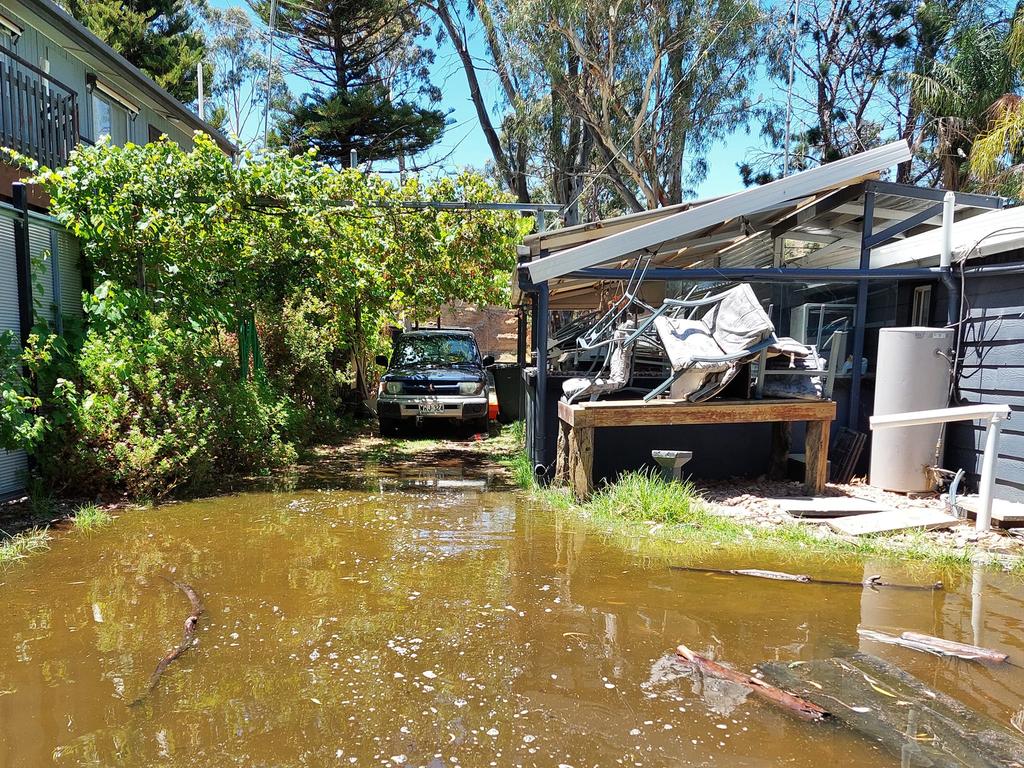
x,y
935,645
802,708
871,581
187,638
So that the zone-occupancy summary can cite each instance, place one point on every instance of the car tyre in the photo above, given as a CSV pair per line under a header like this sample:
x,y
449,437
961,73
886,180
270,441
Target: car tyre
x,y
389,427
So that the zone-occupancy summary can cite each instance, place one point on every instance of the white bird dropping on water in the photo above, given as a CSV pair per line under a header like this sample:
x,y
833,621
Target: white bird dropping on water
x,y
429,674
97,613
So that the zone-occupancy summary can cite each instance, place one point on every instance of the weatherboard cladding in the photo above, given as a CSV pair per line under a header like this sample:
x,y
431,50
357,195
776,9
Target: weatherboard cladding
x,y
993,372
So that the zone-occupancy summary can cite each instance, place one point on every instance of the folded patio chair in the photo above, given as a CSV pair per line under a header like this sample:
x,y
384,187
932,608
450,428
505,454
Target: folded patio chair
x,y
618,361
707,353
797,371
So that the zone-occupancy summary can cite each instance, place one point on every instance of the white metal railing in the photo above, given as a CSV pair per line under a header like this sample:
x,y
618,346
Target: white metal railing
x,y
995,414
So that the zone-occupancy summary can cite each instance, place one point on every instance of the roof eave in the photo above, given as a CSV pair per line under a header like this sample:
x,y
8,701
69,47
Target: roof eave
x,y
643,236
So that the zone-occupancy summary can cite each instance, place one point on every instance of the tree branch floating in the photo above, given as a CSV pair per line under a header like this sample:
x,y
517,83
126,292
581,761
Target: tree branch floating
x,y
935,645
187,638
870,581
802,708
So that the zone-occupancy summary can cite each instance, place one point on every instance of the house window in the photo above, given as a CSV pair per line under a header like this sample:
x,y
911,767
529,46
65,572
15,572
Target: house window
x,y
109,119
154,133
922,311
9,32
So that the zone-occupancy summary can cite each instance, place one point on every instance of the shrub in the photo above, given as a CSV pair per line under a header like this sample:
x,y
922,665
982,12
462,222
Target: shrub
x,y
156,406
303,358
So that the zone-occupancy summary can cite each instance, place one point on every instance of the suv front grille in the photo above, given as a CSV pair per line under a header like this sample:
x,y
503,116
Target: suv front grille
x,y
424,388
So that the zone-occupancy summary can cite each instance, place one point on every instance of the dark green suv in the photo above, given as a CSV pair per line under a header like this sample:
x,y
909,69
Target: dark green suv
x,y
436,374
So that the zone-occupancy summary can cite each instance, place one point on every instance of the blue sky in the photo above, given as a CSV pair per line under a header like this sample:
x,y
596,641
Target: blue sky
x,y
463,142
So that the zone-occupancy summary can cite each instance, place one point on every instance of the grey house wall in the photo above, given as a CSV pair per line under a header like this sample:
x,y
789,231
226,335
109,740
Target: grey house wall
x,y
992,349
36,47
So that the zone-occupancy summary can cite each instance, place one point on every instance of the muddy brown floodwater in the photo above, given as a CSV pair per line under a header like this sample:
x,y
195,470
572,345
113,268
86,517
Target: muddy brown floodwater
x,y
432,621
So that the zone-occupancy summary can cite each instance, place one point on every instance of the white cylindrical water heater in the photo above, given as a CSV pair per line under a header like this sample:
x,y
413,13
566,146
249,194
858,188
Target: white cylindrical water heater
x,y
912,374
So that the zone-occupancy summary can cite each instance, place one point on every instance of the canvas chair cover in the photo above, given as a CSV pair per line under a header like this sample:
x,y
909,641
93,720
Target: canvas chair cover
x,y
732,325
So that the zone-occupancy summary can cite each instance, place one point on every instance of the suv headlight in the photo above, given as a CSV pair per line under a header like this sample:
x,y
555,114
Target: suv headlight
x,y
393,387
471,387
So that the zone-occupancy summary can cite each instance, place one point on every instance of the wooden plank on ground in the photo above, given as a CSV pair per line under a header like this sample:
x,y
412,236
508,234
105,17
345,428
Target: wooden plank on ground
x,y
892,520
826,506
1005,514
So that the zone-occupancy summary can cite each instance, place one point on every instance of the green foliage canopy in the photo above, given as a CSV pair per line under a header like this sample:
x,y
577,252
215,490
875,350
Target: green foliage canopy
x,y
210,236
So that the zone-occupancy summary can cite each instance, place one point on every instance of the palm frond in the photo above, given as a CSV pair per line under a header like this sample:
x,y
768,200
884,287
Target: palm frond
x,y
1002,143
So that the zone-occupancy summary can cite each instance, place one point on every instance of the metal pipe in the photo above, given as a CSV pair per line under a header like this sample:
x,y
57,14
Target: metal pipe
x,y
987,270
996,415
977,603
940,416
23,262
860,316
946,260
541,361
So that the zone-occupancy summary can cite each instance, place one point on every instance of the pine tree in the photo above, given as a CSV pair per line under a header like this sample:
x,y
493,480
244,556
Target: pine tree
x,y
349,52
160,37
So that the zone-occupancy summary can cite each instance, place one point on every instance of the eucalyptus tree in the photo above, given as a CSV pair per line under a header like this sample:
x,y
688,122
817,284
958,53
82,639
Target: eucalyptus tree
x,y
653,84
845,56
239,95
501,119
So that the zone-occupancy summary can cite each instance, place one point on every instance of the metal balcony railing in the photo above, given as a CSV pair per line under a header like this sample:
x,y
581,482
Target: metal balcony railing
x,y
38,113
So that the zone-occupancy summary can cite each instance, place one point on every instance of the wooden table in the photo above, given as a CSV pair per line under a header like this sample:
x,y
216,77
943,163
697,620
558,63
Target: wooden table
x,y
577,422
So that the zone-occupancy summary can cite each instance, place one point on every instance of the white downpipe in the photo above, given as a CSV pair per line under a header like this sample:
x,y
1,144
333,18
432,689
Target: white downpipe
x,y
996,415
948,211
977,604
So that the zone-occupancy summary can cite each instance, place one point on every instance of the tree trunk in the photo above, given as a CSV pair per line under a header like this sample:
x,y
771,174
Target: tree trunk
x,y
501,159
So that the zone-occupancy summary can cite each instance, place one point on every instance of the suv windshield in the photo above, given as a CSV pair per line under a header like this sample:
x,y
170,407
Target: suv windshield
x,y
436,349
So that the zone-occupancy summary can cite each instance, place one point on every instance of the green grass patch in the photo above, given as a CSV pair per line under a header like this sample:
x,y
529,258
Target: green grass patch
x,y
22,545
90,517
673,521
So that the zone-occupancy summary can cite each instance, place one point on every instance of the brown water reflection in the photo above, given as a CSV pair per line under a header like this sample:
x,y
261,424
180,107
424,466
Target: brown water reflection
x,y
434,624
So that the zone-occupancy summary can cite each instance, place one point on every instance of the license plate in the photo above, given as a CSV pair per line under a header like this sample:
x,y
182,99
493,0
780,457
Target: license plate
x,y
431,407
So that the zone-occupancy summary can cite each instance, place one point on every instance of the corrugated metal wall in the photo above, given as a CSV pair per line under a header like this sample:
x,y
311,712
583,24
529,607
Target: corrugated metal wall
x,y
56,271
12,465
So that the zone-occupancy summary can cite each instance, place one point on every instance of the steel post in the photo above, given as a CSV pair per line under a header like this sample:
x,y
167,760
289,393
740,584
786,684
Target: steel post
x,y
861,312
988,473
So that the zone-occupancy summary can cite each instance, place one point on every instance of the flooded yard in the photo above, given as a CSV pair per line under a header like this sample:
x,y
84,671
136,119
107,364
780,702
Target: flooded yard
x,y
427,619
